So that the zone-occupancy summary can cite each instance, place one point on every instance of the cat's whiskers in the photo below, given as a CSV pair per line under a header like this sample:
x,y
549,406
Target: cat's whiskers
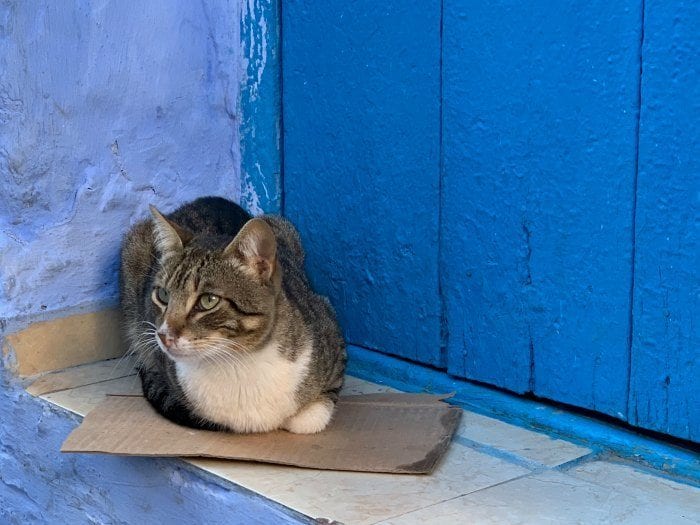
x,y
211,359
231,350
229,343
227,357
217,359
223,356
226,343
144,342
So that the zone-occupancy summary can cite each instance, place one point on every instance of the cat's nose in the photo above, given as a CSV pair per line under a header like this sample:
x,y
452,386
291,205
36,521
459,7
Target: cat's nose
x,y
166,339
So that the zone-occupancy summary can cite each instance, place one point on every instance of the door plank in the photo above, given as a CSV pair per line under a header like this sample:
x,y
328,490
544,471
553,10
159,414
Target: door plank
x,y
361,87
540,104
665,382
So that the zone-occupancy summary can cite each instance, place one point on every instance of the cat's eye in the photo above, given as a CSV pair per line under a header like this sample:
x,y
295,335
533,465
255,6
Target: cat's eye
x,y
162,295
208,301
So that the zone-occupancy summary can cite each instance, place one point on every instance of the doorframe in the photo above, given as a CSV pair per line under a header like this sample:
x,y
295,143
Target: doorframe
x,y
261,136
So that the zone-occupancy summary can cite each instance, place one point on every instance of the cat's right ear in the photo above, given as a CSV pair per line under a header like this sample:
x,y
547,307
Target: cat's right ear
x,y
170,238
256,247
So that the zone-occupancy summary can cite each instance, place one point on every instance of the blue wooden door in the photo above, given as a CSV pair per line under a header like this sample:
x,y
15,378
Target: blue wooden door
x,y
495,189
362,164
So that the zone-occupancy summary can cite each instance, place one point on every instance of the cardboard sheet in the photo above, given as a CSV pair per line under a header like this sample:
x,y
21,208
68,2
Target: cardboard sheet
x,y
396,433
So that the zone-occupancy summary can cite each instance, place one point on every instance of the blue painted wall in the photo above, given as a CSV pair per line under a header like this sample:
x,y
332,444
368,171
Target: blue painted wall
x,y
665,385
105,108
476,191
38,484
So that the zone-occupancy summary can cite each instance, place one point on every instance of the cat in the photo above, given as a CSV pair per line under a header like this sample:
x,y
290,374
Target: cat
x,y
226,329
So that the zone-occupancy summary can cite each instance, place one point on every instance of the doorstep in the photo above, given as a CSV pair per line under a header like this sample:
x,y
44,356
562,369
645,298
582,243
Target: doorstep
x,y
494,472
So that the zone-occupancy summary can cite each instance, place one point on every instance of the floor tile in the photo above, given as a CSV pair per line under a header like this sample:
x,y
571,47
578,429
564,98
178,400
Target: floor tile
x,y
593,493
364,498
634,481
531,446
82,375
83,399
484,478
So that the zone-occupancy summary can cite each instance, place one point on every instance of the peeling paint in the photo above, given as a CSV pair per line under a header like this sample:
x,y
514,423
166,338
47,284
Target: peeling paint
x,y
260,107
255,13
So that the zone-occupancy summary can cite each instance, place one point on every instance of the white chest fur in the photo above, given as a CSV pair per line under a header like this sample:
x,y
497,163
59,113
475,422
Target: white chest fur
x,y
256,395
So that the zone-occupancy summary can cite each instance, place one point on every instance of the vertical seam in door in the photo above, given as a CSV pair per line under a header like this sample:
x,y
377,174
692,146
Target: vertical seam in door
x,y
444,332
280,50
630,329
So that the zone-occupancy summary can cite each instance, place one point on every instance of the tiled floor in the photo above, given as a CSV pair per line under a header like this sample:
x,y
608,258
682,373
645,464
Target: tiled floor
x,y
494,472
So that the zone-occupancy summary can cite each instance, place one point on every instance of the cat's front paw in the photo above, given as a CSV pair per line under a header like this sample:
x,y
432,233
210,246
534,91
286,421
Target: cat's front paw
x,y
312,418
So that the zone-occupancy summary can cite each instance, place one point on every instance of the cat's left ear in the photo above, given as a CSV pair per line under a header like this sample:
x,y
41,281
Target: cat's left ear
x,y
256,247
170,238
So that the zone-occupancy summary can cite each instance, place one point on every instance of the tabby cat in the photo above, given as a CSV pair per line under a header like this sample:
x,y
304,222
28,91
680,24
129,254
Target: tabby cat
x,y
226,329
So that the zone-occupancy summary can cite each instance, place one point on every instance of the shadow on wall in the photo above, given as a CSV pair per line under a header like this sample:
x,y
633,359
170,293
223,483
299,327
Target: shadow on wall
x,y
104,110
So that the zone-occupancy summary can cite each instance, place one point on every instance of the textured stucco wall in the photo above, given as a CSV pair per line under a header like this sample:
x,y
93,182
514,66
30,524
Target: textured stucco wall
x,y
104,108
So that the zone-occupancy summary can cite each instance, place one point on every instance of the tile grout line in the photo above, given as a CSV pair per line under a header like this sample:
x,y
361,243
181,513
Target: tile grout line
x,y
497,453
676,457
586,458
75,387
516,478
534,467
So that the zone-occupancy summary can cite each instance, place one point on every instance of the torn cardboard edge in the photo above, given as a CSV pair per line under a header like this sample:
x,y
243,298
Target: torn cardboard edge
x,y
393,433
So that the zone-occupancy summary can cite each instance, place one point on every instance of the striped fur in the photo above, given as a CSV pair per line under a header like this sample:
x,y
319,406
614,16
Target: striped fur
x,y
268,355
